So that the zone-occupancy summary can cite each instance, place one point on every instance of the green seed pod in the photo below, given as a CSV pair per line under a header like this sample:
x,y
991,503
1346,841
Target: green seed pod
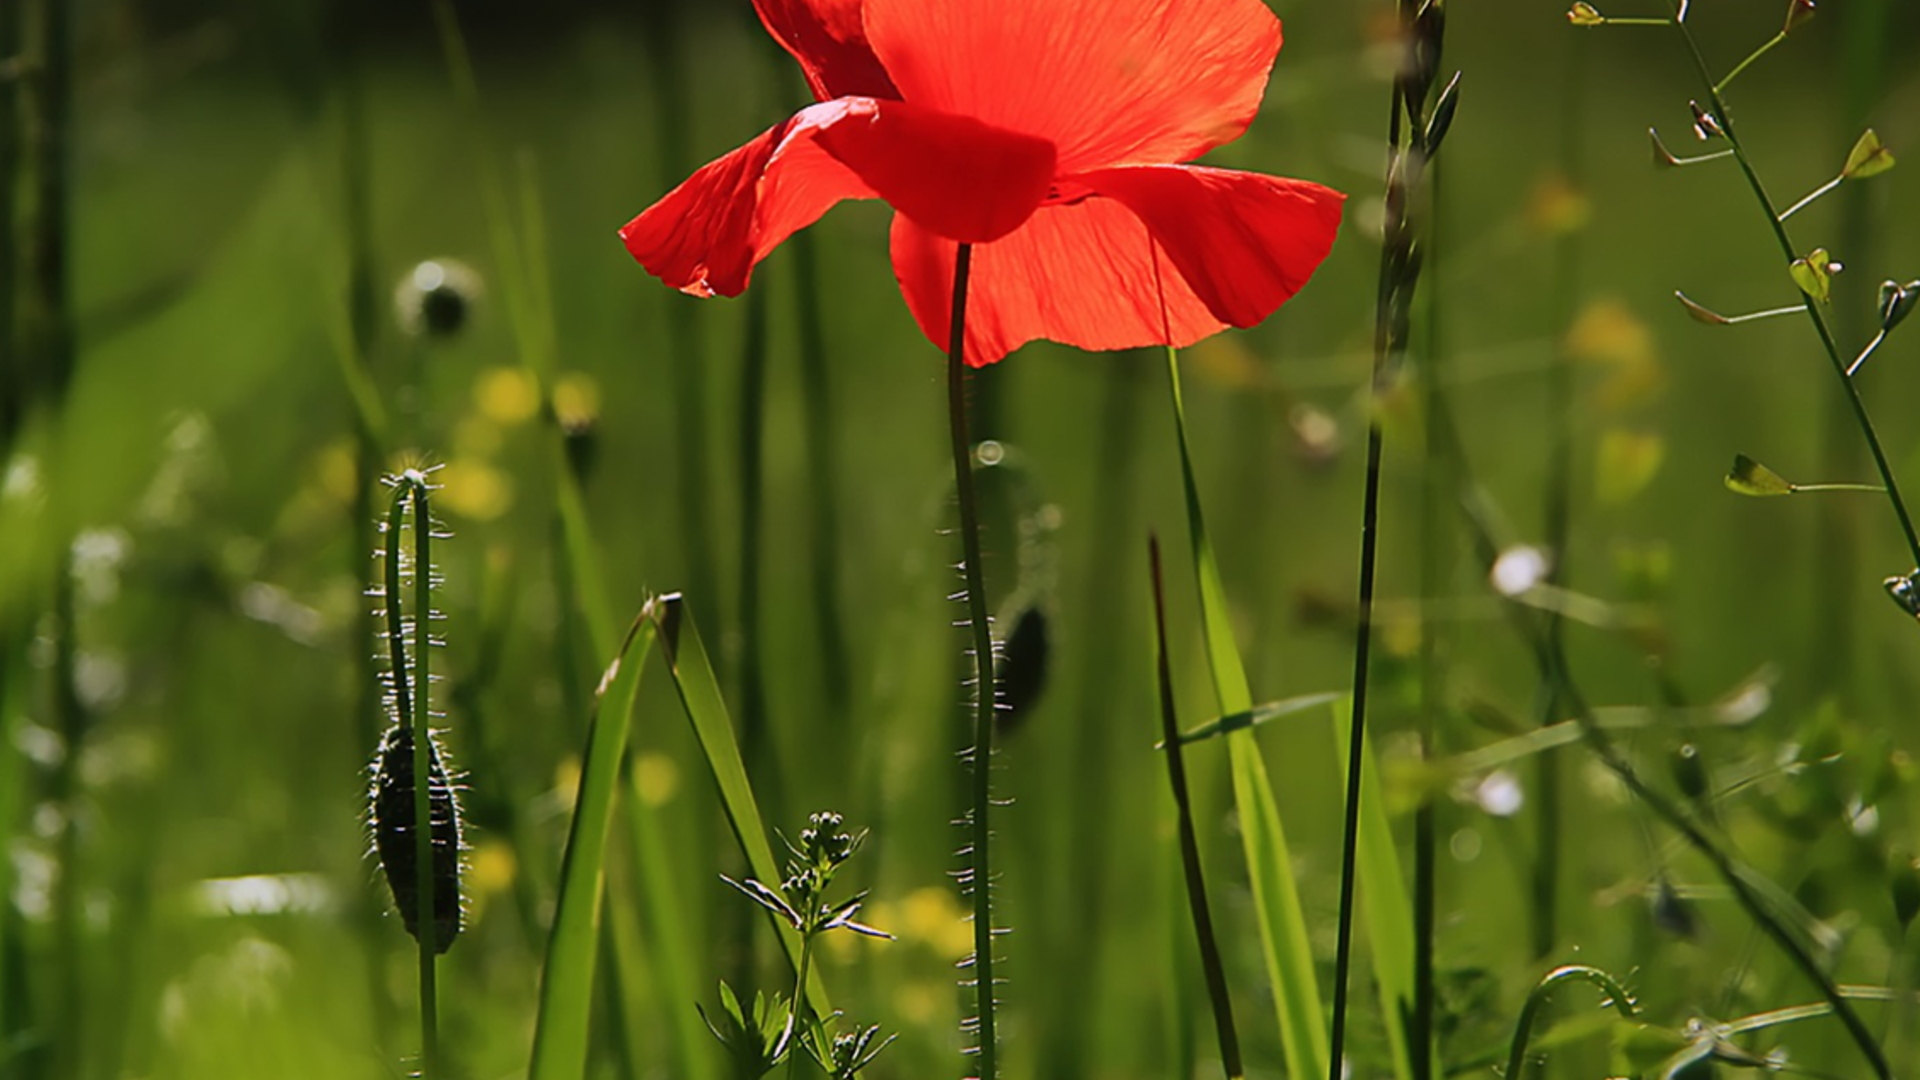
x,y
390,813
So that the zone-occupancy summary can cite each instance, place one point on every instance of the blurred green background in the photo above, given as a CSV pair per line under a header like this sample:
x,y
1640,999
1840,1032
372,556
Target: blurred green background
x,y
199,477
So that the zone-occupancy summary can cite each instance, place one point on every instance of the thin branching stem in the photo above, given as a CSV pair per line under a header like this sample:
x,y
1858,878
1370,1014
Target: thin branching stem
x,y
1550,660
1820,327
1721,86
979,873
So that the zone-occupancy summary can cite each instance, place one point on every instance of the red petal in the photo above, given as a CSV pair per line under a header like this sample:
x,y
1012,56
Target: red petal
x,y
705,236
1245,242
1110,82
956,176
830,42
1175,255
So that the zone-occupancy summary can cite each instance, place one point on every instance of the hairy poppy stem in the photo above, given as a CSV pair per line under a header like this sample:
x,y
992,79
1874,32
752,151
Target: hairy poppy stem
x,y
978,875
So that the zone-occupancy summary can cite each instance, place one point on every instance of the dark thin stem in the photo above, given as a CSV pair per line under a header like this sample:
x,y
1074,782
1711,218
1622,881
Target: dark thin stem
x,y
423,858
1393,294
823,499
979,875
761,761
47,103
1812,306
1189,841
13,400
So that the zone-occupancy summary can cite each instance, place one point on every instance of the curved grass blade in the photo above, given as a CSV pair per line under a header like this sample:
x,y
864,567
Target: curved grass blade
x,y
707,711
1283,927
566,982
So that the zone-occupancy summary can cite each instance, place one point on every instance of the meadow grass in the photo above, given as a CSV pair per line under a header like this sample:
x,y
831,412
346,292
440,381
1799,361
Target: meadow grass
x,y
1578,778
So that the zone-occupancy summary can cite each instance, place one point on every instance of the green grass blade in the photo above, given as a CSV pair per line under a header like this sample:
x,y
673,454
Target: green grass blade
x,y
566,983
707,711
1383,897
1283,927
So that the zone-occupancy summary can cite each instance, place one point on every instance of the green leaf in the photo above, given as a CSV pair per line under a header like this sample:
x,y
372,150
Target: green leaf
x,y
1868,158
1383,895
1749,477
700,694
566,980
1283,925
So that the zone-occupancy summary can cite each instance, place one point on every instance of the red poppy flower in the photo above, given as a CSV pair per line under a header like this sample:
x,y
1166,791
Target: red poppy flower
x,y
1050,134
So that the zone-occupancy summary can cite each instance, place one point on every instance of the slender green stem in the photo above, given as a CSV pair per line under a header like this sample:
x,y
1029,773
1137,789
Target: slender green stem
x,y
1866,352
1812,306
423,779
979,877
1721,86
1617,996
1809,198
823,492
412,710
796,1006
1190,843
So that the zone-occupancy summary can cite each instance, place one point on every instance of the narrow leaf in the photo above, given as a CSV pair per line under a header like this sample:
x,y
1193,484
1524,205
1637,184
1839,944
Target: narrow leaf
x,y
1254,717
1383,898
566,981
1283,926
699,691
1749,477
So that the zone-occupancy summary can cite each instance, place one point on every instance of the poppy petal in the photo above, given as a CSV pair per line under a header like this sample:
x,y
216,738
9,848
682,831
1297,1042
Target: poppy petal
x,y
1083,274
1110,82
829,40
1245,242
956,175
1093,270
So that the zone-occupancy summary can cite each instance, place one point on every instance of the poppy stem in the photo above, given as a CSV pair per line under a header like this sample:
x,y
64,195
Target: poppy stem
x,y
978,876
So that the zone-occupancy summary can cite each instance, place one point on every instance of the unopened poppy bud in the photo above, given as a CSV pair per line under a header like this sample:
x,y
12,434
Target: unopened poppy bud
x,y
1903,878
1896,300
1022,675
436,298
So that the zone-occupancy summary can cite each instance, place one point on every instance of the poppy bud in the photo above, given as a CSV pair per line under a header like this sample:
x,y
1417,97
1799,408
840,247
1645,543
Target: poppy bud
x,y
436,298
1022,674
390,814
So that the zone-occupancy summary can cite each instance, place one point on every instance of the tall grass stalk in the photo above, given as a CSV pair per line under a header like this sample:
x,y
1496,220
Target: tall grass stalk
x,y
13,400
750,680
1557,497
978,876
1412,137
47,280
823,485
1191,871
673,107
